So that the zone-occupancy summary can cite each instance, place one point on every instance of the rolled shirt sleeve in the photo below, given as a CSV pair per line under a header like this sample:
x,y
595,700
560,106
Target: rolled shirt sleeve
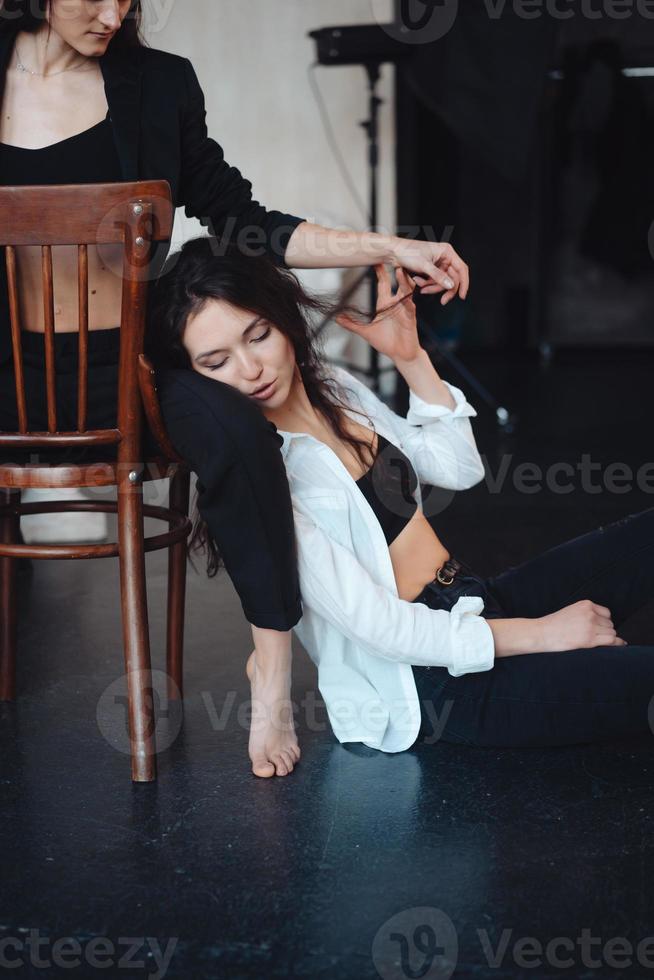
x,y
422,413
438,440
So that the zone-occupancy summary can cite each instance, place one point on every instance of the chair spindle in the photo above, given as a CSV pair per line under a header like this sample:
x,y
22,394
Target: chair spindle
x,y
14,313
83,323
48,320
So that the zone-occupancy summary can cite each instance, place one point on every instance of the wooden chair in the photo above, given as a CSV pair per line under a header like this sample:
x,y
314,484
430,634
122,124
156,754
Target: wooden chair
x,y
135,215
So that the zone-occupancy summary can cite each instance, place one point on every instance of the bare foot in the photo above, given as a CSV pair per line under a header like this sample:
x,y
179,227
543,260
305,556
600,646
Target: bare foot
x,y
273,746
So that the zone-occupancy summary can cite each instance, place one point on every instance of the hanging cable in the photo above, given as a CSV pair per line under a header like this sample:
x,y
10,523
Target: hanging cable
x,y
333,143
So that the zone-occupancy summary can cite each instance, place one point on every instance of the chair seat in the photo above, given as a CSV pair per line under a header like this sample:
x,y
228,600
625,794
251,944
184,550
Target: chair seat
x,y
58,476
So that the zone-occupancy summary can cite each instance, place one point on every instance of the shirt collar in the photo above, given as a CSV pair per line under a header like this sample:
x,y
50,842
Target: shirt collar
x,y
290,437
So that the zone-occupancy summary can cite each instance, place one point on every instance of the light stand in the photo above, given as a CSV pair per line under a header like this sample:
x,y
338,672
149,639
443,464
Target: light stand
x,y
371,127
372,45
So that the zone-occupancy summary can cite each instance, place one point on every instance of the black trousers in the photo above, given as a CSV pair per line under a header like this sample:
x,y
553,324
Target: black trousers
x,y
243,492
590,694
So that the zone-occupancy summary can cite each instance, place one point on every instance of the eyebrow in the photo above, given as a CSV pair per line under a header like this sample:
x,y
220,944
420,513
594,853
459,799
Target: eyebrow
x,y
221,350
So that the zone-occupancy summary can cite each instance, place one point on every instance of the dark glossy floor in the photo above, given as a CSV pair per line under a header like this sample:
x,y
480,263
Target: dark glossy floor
x,y
358,865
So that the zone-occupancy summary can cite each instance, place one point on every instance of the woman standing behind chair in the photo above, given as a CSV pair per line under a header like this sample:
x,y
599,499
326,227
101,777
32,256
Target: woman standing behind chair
x,y
82,100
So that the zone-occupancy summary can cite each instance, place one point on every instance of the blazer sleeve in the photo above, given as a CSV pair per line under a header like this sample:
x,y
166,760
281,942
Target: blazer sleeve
x,y
218,194
438,440
341,590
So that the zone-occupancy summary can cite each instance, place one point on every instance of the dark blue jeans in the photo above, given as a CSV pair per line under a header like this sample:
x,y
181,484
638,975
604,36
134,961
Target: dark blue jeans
x,y
561,698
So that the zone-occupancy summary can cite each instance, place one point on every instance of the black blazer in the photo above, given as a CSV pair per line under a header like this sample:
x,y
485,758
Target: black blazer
x,y
158,115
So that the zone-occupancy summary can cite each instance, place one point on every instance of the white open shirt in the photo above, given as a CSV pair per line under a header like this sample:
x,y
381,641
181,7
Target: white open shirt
x,y
362,637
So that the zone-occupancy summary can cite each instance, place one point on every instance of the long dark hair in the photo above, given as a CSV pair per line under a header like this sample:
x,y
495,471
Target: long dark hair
x,y
29,15
197,274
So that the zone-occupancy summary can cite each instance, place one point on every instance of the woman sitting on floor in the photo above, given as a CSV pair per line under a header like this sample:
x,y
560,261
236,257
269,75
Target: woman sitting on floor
x,y
408,640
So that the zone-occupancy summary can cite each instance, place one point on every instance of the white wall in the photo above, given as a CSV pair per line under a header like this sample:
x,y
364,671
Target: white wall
x,y
253,58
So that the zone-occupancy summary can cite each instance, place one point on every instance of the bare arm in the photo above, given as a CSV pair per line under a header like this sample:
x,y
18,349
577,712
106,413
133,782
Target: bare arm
x,y
513,636
582,624
422,377
436,266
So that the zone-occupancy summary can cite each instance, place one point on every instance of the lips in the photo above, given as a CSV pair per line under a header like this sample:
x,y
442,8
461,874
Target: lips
x,y
265,392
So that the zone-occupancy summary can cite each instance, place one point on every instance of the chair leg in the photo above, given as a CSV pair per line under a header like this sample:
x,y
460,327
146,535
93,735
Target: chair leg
x,y
136,638
178,501
9,533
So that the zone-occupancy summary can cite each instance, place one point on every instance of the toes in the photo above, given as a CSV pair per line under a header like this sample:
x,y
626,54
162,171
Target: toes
x,y
263,767
283,763
280,764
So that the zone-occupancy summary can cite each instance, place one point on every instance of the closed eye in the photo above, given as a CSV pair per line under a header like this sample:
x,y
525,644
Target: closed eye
x,y
255,340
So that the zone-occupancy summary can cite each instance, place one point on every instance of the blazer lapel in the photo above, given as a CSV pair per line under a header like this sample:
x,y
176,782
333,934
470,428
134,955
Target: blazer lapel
x,y
122,84
6,47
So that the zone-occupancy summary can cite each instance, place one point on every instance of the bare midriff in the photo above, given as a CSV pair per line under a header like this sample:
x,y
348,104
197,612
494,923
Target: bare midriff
x,y
416,554
105,287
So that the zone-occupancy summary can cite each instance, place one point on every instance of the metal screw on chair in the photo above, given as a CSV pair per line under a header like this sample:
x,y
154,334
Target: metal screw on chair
x,y
138,209
133,476
140,241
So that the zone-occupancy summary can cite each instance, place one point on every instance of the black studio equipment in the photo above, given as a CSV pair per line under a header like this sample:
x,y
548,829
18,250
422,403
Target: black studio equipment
x,y
357,44
371,46
538,134
595,285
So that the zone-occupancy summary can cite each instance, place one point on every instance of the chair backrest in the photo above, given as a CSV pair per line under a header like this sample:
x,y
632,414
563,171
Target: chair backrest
x,y
134,215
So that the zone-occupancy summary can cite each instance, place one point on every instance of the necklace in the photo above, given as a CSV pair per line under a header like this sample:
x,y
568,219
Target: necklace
x,y
21,67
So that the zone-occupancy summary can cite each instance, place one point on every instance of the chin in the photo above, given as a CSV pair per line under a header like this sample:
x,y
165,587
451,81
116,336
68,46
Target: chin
x,y
273,403
90,47
97,41
277,401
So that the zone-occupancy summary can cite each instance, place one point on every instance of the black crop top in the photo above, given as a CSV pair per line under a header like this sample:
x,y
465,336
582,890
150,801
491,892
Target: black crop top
x,y
388,486
86,158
